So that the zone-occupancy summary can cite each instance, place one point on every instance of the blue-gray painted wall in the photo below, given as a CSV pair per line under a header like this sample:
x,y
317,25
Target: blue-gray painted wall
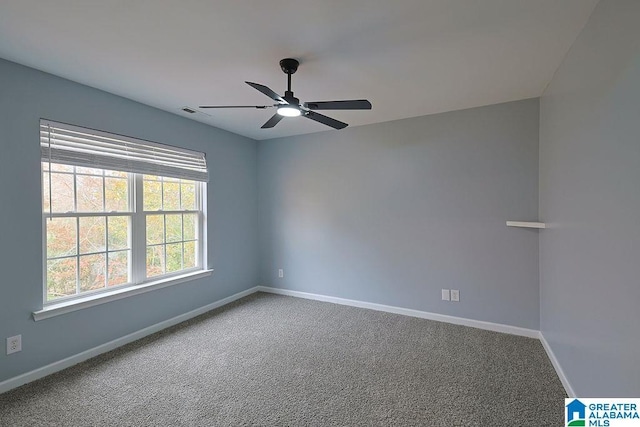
x,y
387,213
590,195
26,95
391,213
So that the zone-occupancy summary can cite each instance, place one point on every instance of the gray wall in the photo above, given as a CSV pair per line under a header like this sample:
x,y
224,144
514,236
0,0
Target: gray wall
x,y
590,193
391,213
26,95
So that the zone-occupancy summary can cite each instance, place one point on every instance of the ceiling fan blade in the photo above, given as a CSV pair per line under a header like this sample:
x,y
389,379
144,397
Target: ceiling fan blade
x,y
235,106
352,104
272,121
271,94
325,120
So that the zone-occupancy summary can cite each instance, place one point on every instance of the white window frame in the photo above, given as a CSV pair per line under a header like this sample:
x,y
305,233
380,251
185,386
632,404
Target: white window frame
x,y
139,282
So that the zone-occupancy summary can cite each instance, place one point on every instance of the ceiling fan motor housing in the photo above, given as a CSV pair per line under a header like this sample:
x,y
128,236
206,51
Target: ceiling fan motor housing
x,y
289,65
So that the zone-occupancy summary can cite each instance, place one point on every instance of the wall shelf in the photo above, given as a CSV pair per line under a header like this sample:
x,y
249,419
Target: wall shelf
x,y
526,224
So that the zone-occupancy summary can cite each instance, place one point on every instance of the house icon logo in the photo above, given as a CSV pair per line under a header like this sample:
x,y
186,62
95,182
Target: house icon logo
x,y
576,413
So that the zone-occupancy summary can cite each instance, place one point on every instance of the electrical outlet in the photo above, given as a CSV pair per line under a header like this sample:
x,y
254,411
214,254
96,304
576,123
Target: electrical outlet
x,y
14,344
455,295
280,273
445,295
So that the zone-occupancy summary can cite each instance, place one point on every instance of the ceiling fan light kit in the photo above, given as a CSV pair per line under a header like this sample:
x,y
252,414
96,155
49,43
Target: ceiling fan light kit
x,y
289,111
290,106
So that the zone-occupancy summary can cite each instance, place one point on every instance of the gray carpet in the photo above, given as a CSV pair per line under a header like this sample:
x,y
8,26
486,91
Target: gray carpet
x,y
279,361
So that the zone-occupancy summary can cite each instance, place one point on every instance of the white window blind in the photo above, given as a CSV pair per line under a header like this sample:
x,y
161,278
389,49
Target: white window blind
x,y
68,144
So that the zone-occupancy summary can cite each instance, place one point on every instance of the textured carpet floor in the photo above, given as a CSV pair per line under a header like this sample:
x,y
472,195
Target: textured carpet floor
x,y
273,360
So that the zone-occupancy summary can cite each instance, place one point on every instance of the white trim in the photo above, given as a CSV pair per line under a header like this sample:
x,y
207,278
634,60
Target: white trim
x,y
480,324
556,365
526,224
118,342
104,297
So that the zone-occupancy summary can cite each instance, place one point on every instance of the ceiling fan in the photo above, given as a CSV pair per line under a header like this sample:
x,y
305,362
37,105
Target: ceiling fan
x,y
290,106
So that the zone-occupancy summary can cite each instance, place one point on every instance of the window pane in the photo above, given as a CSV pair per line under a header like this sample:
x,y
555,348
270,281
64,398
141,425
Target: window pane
x,y
116,194
118,268
92,234
92,271
118,232
155,229
57,167
89,189
152,195
62,190
155,260
174,228
88,171
61,237
61,278
174,257
188,195
189,254
116,174
171,193
190,226
45,192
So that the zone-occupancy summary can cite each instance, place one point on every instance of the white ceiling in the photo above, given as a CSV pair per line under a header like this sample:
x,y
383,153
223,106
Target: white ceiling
x,y
408,57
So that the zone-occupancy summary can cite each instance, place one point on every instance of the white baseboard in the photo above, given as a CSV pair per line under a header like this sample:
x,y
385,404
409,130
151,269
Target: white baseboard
x,y
497,327
92,352
556,365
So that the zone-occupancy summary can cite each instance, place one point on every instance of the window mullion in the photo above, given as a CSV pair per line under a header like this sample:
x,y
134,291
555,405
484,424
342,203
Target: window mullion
x,y
182,234
106,247
201,223
138,233
77,255
75,189
164,239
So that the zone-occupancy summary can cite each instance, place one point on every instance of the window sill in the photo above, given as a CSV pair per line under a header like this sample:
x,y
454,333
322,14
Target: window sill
x,y
91,300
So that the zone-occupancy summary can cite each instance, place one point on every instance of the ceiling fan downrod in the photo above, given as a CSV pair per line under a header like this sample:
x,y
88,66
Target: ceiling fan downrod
x,y
289,66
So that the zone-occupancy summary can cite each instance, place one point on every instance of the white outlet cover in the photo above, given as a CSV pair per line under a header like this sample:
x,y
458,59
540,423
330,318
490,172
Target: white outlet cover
x,y
455,295
445,295
14,344
281,273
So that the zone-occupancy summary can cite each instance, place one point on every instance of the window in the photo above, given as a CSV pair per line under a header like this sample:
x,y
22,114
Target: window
x,y
171,224
117,211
